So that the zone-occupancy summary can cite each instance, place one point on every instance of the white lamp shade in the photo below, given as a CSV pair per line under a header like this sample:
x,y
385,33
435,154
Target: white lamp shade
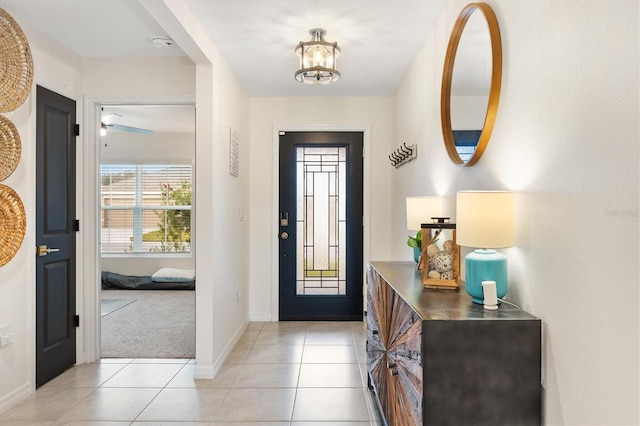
x,y
485,219
421,209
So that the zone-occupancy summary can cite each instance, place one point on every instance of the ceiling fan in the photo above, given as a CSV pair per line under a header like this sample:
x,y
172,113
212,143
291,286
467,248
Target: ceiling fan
x,y
106,125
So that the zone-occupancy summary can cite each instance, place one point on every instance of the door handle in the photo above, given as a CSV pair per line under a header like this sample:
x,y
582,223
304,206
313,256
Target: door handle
x,y
44,250
284,235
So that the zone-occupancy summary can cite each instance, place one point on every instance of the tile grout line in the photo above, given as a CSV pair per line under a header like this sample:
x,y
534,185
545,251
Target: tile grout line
x,y
295,394
244,362
159,392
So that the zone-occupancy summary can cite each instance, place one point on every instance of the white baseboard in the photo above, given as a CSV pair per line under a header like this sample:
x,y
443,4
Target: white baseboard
x,y
232,343
211,371
261,318
15,397
204,372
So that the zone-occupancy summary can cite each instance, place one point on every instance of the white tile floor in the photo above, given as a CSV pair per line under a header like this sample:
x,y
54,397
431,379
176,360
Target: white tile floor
x,y
279,374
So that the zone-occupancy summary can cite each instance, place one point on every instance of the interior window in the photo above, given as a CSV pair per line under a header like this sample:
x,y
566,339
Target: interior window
x,y
146,208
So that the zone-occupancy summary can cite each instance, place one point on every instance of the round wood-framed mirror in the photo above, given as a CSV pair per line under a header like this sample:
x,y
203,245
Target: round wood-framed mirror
x,y
471,82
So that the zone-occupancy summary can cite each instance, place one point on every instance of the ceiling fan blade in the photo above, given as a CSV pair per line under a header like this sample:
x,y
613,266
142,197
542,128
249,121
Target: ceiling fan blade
x,y
130,129
110,115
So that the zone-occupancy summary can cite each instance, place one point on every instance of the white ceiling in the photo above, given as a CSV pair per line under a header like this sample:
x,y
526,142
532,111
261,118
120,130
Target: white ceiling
x,y
93,28
379,38
157,118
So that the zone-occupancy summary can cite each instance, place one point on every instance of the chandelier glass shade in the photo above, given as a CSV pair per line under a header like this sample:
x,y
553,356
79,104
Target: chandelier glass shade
x,y
317,59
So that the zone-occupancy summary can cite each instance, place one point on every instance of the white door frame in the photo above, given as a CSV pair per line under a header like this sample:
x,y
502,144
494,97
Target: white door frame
x,y
366,202
88,349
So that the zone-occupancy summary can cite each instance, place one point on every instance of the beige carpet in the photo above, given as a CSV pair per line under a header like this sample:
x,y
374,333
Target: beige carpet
x,y
150,324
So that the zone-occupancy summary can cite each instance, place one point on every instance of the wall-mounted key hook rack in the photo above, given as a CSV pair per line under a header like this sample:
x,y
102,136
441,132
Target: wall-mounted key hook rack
x,y
403,154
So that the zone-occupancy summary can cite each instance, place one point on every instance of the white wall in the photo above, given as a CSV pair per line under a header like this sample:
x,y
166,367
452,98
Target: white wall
x,y
268,114
143,79
57,69
118,147
162,148
566,139
223,260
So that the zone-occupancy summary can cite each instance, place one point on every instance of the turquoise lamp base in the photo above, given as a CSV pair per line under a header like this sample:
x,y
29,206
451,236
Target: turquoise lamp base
x,y
485,265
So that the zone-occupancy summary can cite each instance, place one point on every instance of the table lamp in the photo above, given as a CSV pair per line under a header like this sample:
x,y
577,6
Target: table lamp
x,y
486,221
420,210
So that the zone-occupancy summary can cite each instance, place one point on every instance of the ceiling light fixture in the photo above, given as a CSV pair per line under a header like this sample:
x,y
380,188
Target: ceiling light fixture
x,y
317,59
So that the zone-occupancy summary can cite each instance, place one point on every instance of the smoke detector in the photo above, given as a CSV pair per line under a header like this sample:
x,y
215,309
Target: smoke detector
x,y
161,41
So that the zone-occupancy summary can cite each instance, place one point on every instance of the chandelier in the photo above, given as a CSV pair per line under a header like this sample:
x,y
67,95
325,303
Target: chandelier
x,y
317,59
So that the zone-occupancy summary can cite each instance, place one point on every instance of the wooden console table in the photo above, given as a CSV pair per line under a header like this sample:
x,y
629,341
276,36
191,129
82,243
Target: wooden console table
x,y
436,358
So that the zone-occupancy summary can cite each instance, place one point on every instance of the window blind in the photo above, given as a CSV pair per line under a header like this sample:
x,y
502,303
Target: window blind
x,y
146,208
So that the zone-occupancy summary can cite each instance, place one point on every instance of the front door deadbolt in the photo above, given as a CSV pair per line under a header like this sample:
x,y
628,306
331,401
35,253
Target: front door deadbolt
x,y
284,219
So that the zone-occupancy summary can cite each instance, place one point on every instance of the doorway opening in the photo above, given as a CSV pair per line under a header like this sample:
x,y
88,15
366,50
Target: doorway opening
x,y
146,229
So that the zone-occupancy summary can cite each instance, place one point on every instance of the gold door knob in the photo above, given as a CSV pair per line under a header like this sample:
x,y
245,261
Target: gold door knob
x,y
44,250
284,235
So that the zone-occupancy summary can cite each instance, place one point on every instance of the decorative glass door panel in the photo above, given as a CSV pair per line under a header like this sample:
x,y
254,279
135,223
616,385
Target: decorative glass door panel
x,y
321,221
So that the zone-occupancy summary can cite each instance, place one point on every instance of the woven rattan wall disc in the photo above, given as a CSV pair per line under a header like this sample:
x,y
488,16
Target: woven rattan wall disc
x,y
13,223
16,64
10,148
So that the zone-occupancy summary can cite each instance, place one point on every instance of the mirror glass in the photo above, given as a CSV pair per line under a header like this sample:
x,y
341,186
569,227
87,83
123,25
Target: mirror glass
x,y
471,84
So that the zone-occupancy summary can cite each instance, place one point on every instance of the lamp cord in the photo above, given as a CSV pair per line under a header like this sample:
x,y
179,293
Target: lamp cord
x,y
509,303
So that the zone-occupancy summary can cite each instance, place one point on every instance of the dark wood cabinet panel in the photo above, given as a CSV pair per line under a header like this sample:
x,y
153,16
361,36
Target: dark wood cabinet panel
x,y
435,358
377,332
394,353
405,361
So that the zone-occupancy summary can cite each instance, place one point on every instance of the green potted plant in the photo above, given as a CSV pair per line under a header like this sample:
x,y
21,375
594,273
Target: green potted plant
x,y
416,244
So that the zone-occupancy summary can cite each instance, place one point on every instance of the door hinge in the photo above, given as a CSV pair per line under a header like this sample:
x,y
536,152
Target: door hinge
x,y
76,129
76,225
76,321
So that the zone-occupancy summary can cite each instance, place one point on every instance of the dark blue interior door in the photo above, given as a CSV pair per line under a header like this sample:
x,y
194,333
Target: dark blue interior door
x,y
55,235
320,226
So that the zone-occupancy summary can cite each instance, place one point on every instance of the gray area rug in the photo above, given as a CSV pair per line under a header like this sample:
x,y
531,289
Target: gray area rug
x,y
153,324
